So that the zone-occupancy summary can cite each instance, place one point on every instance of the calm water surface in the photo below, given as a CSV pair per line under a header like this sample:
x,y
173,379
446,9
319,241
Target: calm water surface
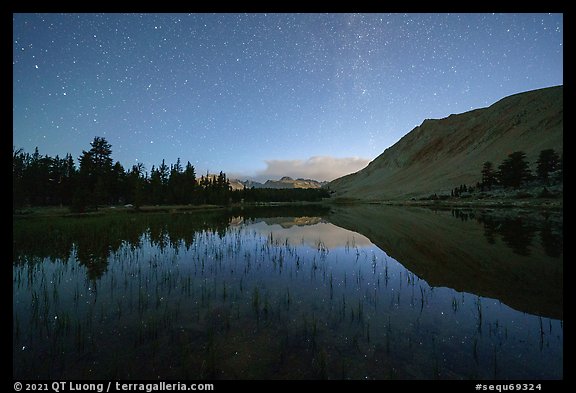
x,y
356,293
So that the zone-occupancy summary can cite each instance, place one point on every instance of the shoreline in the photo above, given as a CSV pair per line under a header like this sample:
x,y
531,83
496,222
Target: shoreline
x,y
468,203
64,211
496,203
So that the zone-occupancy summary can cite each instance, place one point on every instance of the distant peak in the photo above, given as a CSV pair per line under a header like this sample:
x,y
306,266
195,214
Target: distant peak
x,y
286,178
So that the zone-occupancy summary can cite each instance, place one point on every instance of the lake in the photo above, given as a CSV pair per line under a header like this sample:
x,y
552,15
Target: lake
x,y
357,292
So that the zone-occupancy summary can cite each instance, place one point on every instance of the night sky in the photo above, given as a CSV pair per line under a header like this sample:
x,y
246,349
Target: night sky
x,y
265,95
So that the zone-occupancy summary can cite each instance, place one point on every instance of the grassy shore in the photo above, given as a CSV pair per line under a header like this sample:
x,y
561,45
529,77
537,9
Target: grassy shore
x,y
526,198
555,204
551,204
57,211
63,211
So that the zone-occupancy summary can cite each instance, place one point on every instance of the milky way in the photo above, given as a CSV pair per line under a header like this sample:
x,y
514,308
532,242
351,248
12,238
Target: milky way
x,y
233,91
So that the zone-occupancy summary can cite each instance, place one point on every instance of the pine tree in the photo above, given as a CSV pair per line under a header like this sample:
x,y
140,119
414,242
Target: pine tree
x,y
488,175
135,188
19,164
548,161
514,170
155,186
96,174
190,189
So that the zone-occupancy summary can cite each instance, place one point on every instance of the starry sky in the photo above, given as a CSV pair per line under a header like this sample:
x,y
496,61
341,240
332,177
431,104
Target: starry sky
x,y
264,95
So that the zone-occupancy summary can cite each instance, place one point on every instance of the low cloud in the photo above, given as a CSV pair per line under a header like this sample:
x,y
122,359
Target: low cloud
x,y
321,168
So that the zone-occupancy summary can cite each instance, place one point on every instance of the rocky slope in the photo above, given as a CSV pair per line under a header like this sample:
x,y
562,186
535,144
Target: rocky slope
x,y
443,153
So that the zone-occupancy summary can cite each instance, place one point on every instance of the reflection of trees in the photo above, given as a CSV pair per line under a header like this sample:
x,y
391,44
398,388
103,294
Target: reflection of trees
x,y
490,228
95,238
518,233
551,240
95,261
462,215
514,232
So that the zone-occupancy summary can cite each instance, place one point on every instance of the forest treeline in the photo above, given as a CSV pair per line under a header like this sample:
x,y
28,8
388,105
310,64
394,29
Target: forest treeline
x,y
514,173
44,181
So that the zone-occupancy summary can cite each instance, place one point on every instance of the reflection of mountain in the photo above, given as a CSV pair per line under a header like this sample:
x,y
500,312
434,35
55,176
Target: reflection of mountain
x,y
320,234
287,222
454,253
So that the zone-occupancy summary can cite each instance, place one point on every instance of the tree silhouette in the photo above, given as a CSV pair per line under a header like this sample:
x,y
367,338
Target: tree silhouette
x,y
41,180
68,181
163,173
37,179
96,175
176,184
155,186
514,170
189,185
101,155
488,175
135,183
548,161
19,164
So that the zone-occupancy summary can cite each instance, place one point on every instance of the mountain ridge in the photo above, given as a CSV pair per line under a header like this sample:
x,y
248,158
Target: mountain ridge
x,y
282,183
440,154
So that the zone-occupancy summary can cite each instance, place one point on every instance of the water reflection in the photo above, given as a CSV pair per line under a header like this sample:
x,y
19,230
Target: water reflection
x,y
517,231
514,232
93,239
400,293
312,231
497,259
